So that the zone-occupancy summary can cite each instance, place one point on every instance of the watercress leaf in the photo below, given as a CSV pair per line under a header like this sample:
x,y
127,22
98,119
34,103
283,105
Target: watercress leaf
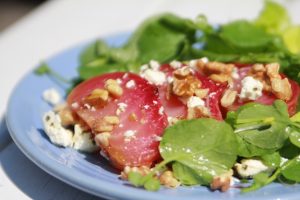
x,y
247,150
296,117
274,18
152,184
245,35
291,37
186,175
295,137
135,178
289,150
208,144
272,160
259,180
263,125
43,68
291,169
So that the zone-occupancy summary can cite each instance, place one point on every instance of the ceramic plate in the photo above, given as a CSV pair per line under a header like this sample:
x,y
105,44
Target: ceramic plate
x,y
87,172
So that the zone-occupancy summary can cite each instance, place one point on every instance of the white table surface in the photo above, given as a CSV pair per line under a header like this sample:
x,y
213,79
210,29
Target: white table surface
x,y
59,24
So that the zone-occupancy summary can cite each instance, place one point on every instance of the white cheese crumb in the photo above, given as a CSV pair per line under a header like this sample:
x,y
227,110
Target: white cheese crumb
x,y
154,77
51,96
129,134
250,167
119,81
121,108
154,102
87,106
161,110
170,79
83,141
157,138
154,65
251,88
55,131
193,63
130,84
75,105
235,74
175,64
194,101
144,67
146,107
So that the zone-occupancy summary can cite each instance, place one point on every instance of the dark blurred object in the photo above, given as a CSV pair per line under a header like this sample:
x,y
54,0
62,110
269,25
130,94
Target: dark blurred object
x,y
12,10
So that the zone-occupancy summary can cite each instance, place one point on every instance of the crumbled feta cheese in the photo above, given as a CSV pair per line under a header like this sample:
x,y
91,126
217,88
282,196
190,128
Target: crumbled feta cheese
x,y
250,167
121,108
170,79
235,74
175,64
75,105
154,65
157,138
129,134
194,101
154,102
161,110
119,81
144,67
87,106
154,77
51,96
130,84
251,88
55,131
193,63
146,107
83,141
125,75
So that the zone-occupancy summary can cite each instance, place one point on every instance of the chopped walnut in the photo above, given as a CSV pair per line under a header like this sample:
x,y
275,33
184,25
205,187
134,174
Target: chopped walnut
x,y
66,116
222,182
143,170
182,72
102,139
185,87
273,70
228,98
132,117
105,124
281,88
197,112
201,93
97,96
113,88
217,71
167,179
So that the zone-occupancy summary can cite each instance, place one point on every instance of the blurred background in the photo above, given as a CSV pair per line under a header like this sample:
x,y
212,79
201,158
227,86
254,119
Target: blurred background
x,y
12,10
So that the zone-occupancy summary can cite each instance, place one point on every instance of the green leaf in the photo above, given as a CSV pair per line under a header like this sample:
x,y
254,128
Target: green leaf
x,y
186,175
274,18
296,117
244,35
272,160
295,137
136,179
152,184
42,69
259,180
291,37
208,144
291,169
262,125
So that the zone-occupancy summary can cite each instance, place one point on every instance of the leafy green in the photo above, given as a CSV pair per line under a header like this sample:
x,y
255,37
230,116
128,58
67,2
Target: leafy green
x,y
272,160
291,169
263,126
291,37
45,69
186,175
274,18
209,144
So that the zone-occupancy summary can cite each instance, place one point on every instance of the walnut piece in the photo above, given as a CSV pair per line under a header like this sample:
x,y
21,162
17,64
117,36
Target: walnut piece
x,y
167,178
106,124
222,182
201,93
102,139
228,98
197,112
281,88
185,87
113,87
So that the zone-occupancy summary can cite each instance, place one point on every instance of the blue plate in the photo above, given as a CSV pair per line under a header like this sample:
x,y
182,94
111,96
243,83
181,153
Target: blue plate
x,y
91,173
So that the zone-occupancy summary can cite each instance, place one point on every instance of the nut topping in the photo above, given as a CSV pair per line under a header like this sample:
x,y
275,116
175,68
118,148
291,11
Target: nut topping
x,y
228,98
113,88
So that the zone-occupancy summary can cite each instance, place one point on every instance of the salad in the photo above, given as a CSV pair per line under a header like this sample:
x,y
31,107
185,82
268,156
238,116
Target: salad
x,y
183,102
